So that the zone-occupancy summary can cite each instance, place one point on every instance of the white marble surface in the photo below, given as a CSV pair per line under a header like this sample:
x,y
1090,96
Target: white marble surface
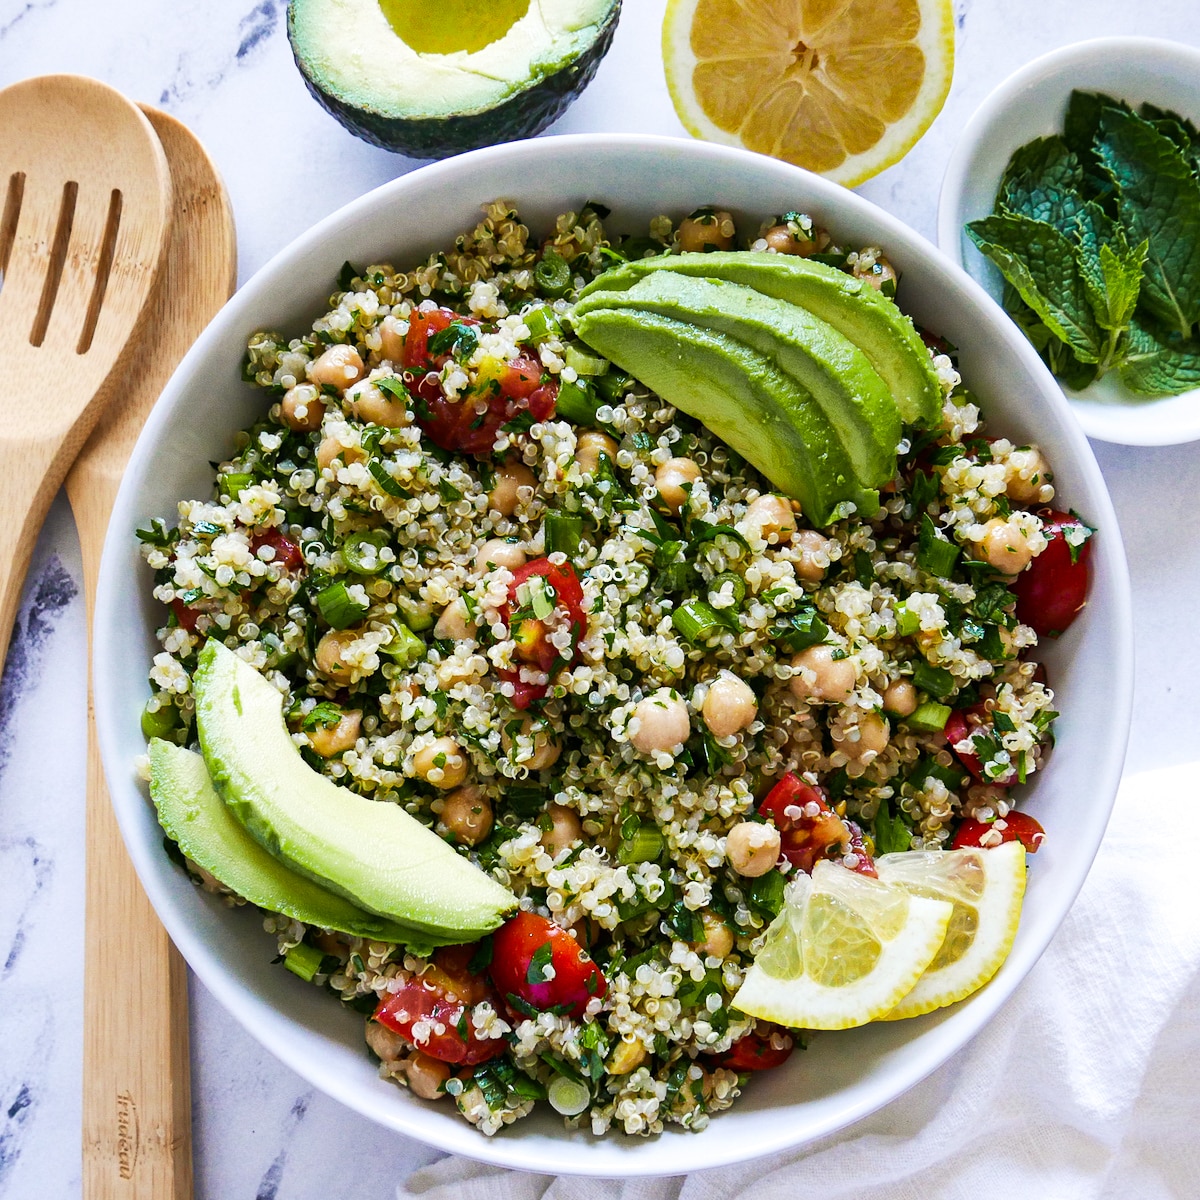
x,y
223,66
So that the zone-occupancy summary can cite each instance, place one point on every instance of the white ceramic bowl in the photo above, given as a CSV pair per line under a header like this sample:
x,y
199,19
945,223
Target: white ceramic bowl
x,y
1030,104
843,1076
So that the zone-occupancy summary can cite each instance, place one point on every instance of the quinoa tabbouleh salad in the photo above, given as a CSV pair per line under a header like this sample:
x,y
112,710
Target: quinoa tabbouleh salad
x,y
501,585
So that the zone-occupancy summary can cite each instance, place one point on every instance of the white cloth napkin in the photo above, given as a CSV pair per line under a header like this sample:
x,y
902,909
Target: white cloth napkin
x,y
1085,1087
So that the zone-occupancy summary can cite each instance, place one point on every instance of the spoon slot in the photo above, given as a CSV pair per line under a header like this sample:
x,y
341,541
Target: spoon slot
x,y
8,223
103,269
58,258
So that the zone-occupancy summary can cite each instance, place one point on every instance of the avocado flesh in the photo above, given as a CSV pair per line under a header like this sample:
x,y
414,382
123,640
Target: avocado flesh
x,y
200,823
374,854
741,396
826,363
852,306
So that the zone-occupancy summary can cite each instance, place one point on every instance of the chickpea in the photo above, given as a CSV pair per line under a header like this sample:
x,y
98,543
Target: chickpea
x,y
672,477
376,407
454,622
466,815
338,367
782,240
821,678
336,738
589,446
426,1075
565,830
813,560
880,275
771,517
443,758
331,449
752,848
1005,547
1032,474
511,476
705,228
331,655
729,705
626,1058
498,553
546,747
868,738
663,722
386,1043
391,340
718,937
301,408
900,698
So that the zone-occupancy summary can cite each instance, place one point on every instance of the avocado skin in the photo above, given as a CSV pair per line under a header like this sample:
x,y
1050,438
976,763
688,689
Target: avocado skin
x,y
888,338
825,362
524,115
195,817
374,854
745,400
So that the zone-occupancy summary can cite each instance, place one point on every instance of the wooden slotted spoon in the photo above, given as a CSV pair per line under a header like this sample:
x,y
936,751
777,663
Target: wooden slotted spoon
x,y
137,1081
85,207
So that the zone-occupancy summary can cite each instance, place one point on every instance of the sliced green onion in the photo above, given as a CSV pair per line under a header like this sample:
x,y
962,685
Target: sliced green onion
x,y
405,648
612,384
937,681
304,961
928,717
542,324
697,620
361,551
568,1097
552,275
337,606
731,577
160,722
907,621
646,845
678,577
935,553
576,403
231,485
418,615
584,363
562,533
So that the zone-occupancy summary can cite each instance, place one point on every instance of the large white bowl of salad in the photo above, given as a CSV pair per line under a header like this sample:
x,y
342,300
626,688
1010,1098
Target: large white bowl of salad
x,y
594,618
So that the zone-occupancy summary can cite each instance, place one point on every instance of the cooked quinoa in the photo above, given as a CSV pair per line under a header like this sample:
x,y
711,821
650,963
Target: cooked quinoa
x,y
368,573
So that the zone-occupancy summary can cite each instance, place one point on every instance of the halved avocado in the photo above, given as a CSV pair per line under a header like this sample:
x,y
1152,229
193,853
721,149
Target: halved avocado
x,y
432,78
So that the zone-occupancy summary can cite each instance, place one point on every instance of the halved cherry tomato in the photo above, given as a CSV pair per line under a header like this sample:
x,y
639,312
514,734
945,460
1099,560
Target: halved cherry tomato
x,y
441,1000
187,617
287,554
754,1051
961,724
1053,588
1018,826
803,838
520,958
532,635
421,327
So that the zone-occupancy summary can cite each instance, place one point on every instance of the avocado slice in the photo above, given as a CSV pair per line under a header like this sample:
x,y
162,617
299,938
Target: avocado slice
x,y
752,406
852,306
827,364
200,823
374,854
432,78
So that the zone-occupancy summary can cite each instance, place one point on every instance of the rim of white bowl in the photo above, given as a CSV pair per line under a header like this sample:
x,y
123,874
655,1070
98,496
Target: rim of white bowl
x,y
1105,411
612,1155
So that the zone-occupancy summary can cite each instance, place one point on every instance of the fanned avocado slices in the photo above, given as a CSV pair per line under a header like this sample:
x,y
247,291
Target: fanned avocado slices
x,y
751,405
830,367
195,817
853,307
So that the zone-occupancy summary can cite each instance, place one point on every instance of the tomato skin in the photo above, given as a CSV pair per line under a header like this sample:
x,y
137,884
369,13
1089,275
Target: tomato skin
x,y
535,648
576,978
754,1052
443,995
287,554
805,839
962,723
1018,826
421,327
187,617
1052,589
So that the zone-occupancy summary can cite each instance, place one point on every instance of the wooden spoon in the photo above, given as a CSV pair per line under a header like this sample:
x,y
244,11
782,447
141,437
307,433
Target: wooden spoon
x,y
85,208
137,1137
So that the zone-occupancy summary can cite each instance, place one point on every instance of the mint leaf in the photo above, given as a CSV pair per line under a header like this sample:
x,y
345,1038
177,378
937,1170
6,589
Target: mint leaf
x,y
1043,181
1179,129
1121,271
1080,130
1043,265
1158,362
1158,199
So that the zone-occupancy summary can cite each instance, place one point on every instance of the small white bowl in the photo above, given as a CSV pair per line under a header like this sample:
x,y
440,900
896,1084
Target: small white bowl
x,y
1030,104
843,1076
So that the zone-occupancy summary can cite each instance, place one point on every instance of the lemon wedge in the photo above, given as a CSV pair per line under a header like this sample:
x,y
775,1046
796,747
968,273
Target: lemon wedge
x,y
844,89
844,950
986,888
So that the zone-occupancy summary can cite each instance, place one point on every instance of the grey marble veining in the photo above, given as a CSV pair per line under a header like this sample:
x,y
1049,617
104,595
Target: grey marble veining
x,y
224,67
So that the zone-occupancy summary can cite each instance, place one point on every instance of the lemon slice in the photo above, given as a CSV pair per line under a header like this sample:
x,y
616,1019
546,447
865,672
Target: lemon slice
x,y
844,89
845,950
986,888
